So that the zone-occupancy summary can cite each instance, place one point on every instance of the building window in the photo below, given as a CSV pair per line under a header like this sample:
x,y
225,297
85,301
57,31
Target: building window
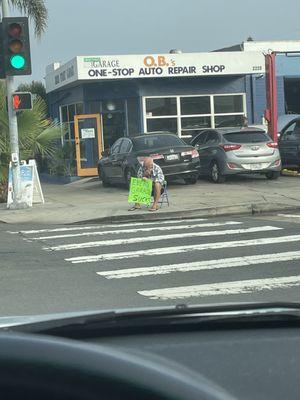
x,y
228,111
67,114
133,116
227,121
161,106
188,115
162,124
195,105
228,104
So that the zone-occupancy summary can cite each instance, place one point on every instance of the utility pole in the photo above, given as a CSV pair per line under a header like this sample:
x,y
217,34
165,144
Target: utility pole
x,y
13,134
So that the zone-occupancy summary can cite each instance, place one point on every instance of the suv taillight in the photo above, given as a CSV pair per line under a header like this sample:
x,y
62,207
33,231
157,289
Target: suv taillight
x,y
273,145
230,147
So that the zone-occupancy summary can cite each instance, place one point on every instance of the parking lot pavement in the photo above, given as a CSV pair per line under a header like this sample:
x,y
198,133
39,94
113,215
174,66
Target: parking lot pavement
x,y
87,200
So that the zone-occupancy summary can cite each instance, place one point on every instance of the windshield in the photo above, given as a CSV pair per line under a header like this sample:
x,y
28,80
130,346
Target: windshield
x,y
246,137
158,141
133,170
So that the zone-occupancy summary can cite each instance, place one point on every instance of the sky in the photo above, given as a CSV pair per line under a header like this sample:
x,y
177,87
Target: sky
x,y
115,27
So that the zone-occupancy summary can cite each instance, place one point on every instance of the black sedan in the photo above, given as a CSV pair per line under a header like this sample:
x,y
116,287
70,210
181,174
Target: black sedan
x,y
173,155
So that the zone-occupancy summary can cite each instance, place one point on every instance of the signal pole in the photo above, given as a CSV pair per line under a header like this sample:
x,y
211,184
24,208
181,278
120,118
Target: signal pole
x,y
17,203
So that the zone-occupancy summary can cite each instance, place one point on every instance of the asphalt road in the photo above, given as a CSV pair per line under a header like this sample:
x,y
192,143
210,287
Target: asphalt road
x,y
47,269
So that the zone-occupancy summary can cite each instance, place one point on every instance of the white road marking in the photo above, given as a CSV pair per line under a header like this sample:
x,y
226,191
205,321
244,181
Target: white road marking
x,y
136,230
183,249
289,215
75,246
201,265
79,228
222,288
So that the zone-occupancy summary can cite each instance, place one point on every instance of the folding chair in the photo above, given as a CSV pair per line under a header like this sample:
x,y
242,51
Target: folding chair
x,y
164,198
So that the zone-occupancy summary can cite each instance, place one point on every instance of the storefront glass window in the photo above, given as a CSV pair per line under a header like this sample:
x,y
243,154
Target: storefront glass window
x,y
113,127
223,121
161,106
79,109
191,114
72,131
64,114
195,105
195,122
72,112
162,124
133,115
67,117
228,104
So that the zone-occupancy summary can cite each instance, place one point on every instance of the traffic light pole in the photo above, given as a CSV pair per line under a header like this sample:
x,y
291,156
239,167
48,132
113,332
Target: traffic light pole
x,y
17,202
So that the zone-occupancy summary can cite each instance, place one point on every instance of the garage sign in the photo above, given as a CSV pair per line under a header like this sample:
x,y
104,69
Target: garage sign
x,y
156,66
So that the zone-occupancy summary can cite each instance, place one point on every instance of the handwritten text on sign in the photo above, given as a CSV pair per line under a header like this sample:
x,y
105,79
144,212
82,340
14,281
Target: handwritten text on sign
x,y
140,191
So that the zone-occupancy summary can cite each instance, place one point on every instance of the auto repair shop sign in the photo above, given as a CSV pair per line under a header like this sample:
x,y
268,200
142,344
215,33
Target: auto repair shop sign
x,y
155,66
169,65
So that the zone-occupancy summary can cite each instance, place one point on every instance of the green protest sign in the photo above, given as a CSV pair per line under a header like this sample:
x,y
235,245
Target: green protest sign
x,y
140,191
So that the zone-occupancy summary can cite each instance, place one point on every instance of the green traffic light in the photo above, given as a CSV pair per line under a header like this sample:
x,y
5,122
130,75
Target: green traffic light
x,y
17,61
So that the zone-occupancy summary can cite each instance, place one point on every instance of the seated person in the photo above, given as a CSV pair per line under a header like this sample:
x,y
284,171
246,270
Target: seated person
x,y
150,170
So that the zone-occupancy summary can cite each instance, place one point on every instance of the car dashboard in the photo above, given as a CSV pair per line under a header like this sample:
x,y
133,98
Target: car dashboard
x,y
248,363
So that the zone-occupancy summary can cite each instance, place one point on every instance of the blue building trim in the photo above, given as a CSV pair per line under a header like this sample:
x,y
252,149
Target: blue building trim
x,y
258,97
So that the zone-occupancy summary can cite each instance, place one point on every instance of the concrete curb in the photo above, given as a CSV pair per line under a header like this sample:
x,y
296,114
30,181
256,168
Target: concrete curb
x,y
242,209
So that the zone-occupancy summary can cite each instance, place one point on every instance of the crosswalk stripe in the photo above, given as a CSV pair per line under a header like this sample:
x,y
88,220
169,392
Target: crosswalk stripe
x,y
222,288
144,229
90,227
289,215
201,265
75,246
183,249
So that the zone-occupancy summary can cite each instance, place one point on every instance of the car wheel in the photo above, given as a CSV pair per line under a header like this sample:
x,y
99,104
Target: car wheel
x,y
215,173
103,178
272,175
191,180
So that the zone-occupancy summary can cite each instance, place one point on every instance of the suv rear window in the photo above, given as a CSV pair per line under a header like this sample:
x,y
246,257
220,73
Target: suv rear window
x,y
160,140
246,137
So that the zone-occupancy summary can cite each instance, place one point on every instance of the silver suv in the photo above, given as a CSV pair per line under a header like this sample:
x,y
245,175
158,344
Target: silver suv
x,y
231,151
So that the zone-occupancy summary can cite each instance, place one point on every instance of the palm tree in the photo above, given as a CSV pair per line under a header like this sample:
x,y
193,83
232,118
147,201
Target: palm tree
x,y
36,11
37,136
35,87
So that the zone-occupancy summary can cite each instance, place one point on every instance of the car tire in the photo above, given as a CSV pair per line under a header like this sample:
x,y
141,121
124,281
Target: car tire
x,y
191,180
272,175
103,178
215,174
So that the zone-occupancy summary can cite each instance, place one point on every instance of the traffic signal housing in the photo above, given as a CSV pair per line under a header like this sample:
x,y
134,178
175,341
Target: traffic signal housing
x,y
22,101
16,46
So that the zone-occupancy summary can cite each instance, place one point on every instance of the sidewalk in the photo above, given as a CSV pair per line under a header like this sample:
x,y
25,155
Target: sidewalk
x,y
86,200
